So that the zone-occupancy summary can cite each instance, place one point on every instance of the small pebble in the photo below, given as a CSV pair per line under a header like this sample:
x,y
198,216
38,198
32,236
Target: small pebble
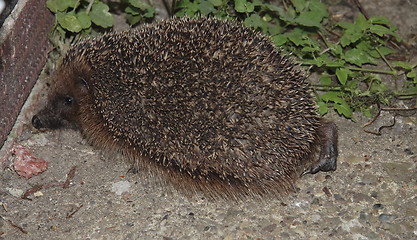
x,y
120,187
386,218
377,206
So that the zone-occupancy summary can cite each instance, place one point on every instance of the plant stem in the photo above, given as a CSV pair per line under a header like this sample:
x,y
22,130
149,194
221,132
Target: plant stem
x,y
372,70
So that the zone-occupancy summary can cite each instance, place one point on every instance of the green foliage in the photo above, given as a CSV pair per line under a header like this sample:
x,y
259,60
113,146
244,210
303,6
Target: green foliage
x,y
349,57
138,10
78,18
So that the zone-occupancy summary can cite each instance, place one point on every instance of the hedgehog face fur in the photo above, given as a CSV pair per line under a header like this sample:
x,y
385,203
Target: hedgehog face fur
x,y
209,105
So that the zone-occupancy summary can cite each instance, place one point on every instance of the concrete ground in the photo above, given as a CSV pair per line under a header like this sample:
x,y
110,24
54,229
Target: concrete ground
x,y
372,195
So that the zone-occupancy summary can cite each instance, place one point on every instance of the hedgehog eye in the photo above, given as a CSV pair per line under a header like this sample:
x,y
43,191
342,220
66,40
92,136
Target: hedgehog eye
x,y
69,100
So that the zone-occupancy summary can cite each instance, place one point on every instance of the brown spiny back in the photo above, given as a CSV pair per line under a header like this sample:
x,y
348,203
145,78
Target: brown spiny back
x,y
208,104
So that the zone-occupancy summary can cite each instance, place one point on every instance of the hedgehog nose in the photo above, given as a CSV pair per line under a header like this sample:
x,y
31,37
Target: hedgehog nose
x,y
36,122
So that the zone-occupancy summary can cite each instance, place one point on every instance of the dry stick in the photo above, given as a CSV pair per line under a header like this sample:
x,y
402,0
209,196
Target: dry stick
x,y
70,176
14,225
361,9
380,109
39,187
73,212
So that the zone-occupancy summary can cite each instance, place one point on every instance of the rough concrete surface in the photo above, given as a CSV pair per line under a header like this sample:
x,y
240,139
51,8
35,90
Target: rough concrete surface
x,y
372,195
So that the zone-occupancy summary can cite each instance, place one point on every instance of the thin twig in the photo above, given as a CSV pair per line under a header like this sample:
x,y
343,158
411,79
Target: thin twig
x,y
361,9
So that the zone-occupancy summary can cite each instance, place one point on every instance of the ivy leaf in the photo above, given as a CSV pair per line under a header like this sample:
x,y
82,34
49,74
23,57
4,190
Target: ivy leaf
x,y
100,15
69,21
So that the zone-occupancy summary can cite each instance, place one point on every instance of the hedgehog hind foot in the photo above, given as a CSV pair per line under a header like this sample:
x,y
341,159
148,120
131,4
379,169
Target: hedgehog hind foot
x,y
328,153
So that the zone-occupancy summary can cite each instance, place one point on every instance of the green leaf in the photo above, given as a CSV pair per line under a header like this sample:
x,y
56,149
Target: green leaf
x,y
329,62
411,74
351,35
380,20
319,8
187,8
325,80
69,21
402,64
380,30
358,57
206,7
133,19
240,6
330,96
361,22
150,13
84,19
216,3
282,14
336,49
310,49
385,51
139,4
100,15
296,36
60,5
279,39
342,75
299,5
367,112
343,108
309,19
132,10
243,6
323,109
345,25
254,21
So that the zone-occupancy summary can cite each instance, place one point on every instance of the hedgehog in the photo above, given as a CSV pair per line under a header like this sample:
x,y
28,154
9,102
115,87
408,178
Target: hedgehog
x,y
210,106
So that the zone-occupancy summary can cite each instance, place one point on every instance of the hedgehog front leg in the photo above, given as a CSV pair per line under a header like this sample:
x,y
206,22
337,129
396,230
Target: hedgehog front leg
x,y
328,153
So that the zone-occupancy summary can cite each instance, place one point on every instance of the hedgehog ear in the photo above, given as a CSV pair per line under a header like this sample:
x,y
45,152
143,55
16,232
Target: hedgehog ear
x,y
83,84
